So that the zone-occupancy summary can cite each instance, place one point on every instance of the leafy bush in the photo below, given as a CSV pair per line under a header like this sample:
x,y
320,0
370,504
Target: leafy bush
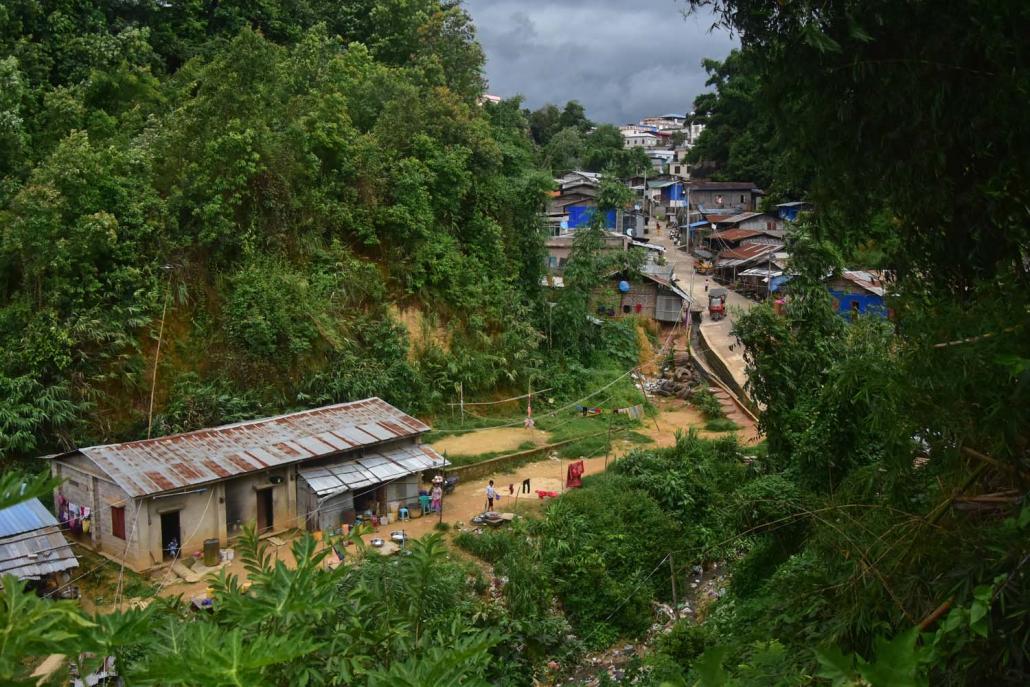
x,y
705,401
722,424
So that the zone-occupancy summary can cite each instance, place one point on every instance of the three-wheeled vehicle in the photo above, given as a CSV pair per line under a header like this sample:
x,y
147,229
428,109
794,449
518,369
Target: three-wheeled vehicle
x,y
717,303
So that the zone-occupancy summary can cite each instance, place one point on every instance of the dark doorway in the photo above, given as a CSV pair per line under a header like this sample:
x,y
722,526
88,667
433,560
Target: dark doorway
x,y
265,519
171,538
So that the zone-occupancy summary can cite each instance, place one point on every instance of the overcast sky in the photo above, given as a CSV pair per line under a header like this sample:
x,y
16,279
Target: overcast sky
x,y
623,59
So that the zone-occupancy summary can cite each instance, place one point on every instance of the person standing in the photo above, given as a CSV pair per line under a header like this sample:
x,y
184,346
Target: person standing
x,y
491,494
437,496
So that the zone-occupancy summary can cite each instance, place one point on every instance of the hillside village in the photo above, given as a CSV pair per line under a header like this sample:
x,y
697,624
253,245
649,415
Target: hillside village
x,y
322,365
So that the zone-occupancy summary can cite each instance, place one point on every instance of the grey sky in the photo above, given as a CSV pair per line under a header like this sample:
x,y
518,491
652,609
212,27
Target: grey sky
x,y
623,59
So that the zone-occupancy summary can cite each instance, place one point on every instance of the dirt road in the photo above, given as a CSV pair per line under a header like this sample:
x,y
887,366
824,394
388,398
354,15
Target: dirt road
x,y
718,334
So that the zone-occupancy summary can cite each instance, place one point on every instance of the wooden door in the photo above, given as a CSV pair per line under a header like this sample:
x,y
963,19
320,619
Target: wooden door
x,y
265,514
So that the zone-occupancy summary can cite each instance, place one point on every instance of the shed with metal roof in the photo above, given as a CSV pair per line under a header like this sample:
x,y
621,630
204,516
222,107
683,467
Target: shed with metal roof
x,y
153,496
31,544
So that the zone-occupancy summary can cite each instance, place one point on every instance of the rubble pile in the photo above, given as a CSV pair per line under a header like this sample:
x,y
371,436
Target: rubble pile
x,y
678,378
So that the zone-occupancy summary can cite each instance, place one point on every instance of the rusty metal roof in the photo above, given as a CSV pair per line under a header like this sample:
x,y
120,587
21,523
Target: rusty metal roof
x,y
153,466
734,257
735,235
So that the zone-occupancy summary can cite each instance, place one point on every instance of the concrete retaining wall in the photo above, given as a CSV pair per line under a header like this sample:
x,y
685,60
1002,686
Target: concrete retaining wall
x,y
717,366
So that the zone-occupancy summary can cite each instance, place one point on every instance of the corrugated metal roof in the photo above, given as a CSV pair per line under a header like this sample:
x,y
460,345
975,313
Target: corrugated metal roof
x,y
722,186
31,555
735,234
734,257
667,283
153,466
743,217
871,282
354,474
25,517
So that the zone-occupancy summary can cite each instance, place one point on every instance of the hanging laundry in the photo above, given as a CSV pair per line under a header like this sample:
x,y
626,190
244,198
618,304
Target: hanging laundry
x,y
587,410
636,412
574,477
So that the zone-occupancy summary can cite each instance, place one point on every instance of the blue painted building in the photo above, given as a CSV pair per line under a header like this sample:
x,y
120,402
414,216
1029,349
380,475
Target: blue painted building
x,y
789,212
857,292
582,215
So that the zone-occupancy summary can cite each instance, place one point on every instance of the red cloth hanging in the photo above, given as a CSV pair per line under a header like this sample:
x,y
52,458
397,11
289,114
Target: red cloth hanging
x,y
574,477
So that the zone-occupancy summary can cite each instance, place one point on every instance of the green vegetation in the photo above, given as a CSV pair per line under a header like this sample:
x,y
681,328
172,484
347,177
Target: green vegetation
x,y
722,424
705,401
304,203
258,208
567,140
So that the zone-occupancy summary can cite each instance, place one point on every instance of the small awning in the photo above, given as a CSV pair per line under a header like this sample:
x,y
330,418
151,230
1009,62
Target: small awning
x,y
352,473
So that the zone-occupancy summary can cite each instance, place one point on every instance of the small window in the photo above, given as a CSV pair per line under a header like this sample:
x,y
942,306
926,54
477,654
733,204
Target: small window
x,y
118,521
561,262
552,261
741,197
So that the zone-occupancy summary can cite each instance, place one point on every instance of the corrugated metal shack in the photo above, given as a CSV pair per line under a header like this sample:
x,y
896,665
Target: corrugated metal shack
x,y
146,498
32,547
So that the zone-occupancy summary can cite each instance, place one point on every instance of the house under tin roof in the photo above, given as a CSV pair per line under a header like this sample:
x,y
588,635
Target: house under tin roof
x,y
153,466
31,543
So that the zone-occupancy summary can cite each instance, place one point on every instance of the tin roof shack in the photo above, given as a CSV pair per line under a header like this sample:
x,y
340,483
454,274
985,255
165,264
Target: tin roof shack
x,y
559,249
858,292
653,295
207,484
32,547
732,261
734,197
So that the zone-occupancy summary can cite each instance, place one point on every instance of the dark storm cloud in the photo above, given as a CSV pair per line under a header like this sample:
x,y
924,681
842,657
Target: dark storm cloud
x,y
623,59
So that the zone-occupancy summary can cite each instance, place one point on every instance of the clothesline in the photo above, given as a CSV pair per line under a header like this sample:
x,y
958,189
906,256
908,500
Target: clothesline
x,y
503,400
578,402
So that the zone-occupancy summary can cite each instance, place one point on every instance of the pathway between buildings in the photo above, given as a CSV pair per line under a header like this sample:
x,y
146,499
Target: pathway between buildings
x,y
717,334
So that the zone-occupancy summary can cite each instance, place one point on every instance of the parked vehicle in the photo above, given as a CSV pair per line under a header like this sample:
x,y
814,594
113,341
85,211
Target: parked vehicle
x,y
449,484
717,303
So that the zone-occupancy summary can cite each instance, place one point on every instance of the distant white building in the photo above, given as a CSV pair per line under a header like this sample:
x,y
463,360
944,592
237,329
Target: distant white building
x,y
639,139
665,122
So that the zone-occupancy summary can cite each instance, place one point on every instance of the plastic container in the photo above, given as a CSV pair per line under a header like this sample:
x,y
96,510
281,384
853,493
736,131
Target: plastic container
x,y
211,549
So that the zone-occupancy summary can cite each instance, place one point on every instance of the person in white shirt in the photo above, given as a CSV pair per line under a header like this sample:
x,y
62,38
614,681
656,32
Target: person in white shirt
x,y
491,494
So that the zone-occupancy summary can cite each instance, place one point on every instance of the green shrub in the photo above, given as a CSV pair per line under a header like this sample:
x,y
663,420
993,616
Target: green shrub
x,y
705,401
723,424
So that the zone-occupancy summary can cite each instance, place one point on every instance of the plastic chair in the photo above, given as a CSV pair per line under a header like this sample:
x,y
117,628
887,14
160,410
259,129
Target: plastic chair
x,y
403,514
424,501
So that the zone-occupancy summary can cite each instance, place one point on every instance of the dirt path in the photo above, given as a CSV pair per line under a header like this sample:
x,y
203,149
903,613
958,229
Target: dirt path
x,y
490,441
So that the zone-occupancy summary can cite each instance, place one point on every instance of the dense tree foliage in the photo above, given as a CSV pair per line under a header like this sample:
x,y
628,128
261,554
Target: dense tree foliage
x,y
739,141
567,140
906,438
270,189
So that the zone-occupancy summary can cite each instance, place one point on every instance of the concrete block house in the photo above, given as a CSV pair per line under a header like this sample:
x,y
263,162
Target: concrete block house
x,y
313,469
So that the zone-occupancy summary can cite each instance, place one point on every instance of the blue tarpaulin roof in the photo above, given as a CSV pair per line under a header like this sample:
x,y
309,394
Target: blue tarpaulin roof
x,y
702,223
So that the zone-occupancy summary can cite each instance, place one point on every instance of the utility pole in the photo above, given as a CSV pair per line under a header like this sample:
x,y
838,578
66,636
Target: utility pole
x,y
440,517
550,313
608,446
675,600
157,351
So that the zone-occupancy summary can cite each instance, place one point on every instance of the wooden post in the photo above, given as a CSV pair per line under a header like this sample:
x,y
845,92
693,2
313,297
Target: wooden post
x,y
608,446
461,401
675,600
